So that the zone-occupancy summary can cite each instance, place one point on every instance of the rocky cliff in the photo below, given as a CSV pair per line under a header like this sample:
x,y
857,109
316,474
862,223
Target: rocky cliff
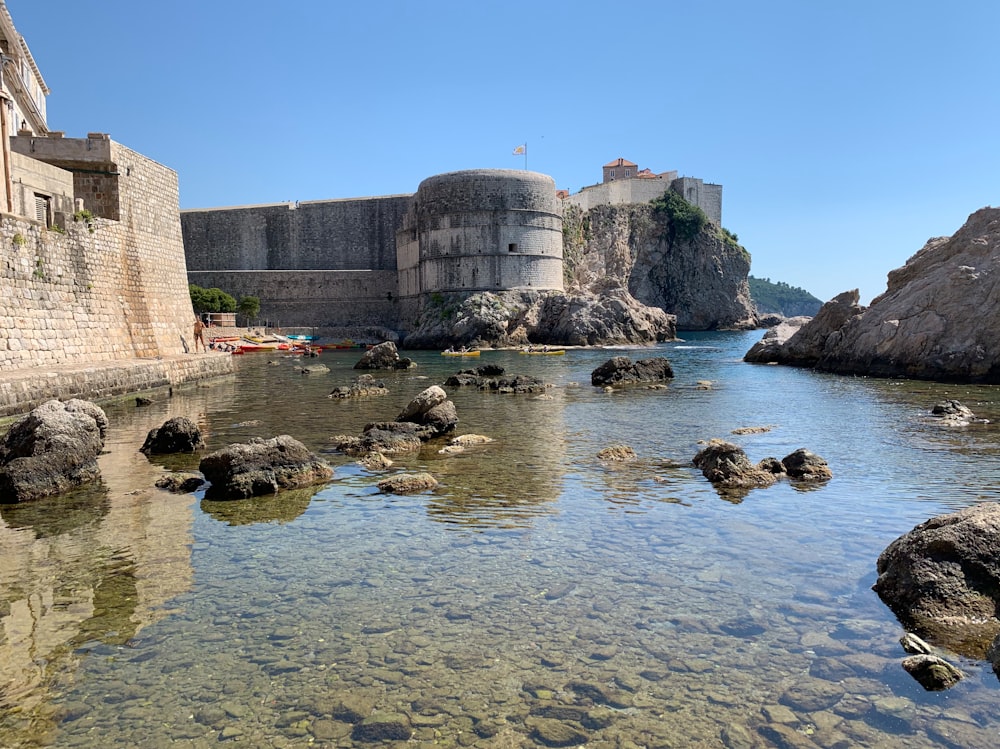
x,y
937,320
698,276
516,318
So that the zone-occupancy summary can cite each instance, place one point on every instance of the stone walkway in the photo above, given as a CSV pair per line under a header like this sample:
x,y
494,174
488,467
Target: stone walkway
x,y
23,390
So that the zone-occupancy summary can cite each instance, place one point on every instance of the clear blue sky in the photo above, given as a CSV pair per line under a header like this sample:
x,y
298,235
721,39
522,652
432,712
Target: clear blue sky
x,y
845,133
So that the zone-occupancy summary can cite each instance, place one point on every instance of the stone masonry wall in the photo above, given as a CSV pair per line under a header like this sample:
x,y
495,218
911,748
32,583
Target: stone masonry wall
x,y
108,291
324,299
351,234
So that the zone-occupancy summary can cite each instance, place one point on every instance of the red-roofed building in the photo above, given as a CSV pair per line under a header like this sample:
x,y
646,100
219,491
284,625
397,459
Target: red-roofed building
x,y
619,169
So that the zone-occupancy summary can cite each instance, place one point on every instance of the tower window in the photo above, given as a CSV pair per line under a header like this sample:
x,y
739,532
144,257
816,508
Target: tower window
x,y
512,247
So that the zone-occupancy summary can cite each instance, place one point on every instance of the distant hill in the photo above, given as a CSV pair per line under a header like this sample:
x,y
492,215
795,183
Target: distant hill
x,y
782,299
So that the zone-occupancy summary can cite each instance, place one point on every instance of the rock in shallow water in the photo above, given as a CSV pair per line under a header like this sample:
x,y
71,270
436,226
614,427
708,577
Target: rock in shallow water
x,y
942,578
262,467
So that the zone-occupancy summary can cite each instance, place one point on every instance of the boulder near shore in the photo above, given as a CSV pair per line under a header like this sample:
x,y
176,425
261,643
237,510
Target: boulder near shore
x,y
942,578
51,450
939,318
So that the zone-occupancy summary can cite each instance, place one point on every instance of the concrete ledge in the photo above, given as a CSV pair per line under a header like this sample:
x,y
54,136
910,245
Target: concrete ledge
x,y
23,390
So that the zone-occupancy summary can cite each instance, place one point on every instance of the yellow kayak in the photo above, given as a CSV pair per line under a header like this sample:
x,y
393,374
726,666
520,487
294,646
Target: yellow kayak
x,y
459,353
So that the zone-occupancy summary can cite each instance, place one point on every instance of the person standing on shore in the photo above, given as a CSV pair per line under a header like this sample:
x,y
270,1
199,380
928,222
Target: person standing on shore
x,y
199,329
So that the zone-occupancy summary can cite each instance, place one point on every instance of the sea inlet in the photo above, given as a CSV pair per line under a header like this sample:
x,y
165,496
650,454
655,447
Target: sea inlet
x,y
538,597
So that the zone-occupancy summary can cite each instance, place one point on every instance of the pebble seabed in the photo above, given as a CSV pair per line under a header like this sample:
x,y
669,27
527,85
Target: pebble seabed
x,y
623,605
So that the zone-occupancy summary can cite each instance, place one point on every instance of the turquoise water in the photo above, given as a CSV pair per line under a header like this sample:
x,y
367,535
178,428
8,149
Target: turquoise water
x,y
537,597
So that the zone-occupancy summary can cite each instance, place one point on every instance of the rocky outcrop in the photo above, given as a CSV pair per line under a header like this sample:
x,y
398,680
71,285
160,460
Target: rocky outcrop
x,y
176,435
431,409
611,316
701,279
430,414
51,450
492,377
937,319
768,348
801,342
727,466
517,318
942,579
363,386
383,356
621,370
262,467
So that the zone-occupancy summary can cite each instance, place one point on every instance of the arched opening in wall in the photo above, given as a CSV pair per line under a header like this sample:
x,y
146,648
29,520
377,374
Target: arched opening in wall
x,y
512,247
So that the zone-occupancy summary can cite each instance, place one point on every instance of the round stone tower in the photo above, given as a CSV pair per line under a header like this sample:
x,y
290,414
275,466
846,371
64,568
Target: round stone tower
x,y
481,230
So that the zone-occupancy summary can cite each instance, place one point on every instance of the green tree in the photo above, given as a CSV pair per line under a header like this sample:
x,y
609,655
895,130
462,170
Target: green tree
x,y
249,307
211,300
682,220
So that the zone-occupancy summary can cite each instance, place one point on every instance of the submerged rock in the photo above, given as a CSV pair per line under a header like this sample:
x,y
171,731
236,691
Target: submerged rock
x,y
953,413
179,483
407,483
364,386
618,454
488,378
262,467
51,450
934,674
176,435
382,726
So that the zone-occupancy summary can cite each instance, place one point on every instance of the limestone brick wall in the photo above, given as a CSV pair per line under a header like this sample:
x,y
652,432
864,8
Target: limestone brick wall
x,y
32,177
352,234
313,298
107,291
705,195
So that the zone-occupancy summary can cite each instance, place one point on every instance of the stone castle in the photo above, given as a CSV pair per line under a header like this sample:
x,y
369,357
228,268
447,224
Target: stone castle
x,y
375,262
93,286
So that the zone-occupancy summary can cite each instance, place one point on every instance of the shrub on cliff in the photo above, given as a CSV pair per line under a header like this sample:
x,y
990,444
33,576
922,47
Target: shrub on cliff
x,y
681,220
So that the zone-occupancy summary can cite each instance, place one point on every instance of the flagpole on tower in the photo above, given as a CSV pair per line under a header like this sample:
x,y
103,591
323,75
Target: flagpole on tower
x,y
522,150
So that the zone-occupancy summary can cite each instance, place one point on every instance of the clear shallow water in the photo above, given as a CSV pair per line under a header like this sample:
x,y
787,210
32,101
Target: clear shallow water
x,y
537,596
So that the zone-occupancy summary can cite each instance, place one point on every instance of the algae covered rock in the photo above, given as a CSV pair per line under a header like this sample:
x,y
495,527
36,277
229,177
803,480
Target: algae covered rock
x,y
262,467
51,450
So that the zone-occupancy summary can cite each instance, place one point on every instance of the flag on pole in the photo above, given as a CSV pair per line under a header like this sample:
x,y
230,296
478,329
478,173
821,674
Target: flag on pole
x,y
521,149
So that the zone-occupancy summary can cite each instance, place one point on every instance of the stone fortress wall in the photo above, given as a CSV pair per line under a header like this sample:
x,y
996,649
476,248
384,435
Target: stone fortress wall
x,y
377,261
85,293
705,195
323,263
373,261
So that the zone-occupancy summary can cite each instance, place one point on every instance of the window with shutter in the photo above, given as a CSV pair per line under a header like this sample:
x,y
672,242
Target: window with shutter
x,y
42,209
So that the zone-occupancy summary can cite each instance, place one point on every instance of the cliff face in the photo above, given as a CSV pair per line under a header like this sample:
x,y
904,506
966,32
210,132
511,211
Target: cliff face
x,y
701,280
939,318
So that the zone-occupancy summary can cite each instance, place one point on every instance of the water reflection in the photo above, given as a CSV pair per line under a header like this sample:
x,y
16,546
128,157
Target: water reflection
x,y
538,590
282,507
